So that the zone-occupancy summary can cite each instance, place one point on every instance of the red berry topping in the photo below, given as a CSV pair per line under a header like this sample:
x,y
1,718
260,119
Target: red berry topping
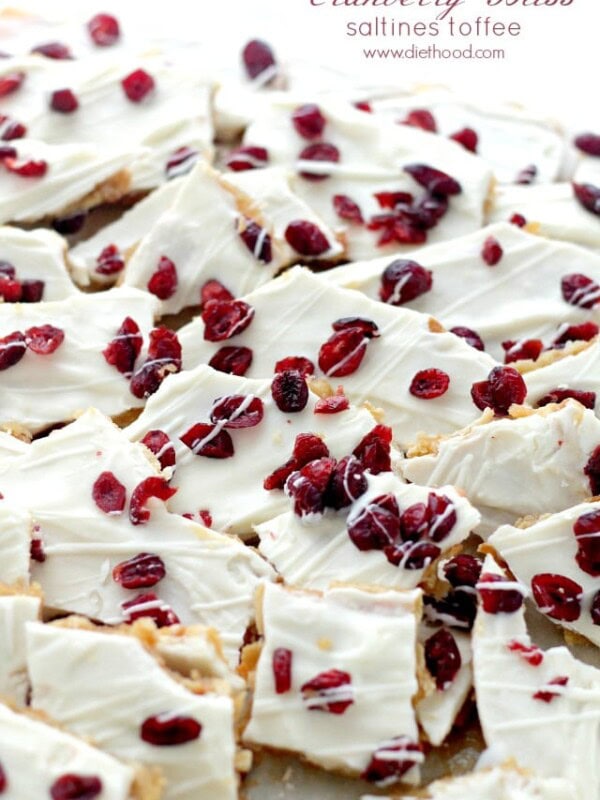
x,y
232,360
347,483
583,332
329,691
468,138
297,363
588,143
258,241
64,101
214,290
44,340
434,180
557,596
308,486
143,492
374,450
363,105
10,82
180,162
138,85
123,350
347,209
367,326
159,443
237,411
306,238
435,520
32,291
492,251
470,336
403,281
307,448
225,318
7,269
588,196
247,157
164,358
110,261
26,169
527,175
343,352
10,129
163,282
392,760
332,405
547,694
209,441
166,730
429,384
587,534
377,525
421,118
462,570
109,493
56,50
319,151
592,470
498,594
290,391
10,289
519,220
529,653
36,551
140,572
580,291
76,787
503,387
149,605
442,658
529,349
308,121
71,223
258,58
12,349
282,670
104,30
205,517
3,779
587,399
393,199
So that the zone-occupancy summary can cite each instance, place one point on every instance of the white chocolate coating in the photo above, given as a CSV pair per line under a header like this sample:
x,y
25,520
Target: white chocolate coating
x,y
579,371
15,536
38,255
15,611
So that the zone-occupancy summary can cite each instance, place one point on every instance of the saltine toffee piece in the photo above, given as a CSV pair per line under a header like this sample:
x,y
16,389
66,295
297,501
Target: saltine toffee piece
x,y
501,289
322,690
216,232
212,426
399,360
108,548
185,730
411,188
390,535
60,357
18,605
529,701
558,558
550,451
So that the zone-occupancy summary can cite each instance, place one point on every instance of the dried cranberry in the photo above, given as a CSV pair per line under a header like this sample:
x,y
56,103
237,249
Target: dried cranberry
x,y
3,779
429,384
138,85
343,352
587,534
149,605
412,555
143,492
347,483
547,694
290,391
282,670
458,609
363,105
347,209
214,290
258,57
296,363
583,332
392,760
468,138
64,101
324,692
462,570
237,411
10,82
434,180
26,169
159,443
519,220
470,336
498,594
10,129
308,121
529,653
332,405
7,269
163,282
442,658
70,224
367,326
434,519
168,729
258,241
503,387
104,30
208,441
123,350
76,787
588,196
110,261
232,360
393,199
397,227
205,517
308,486
12,349
307,447
524,349
376,525
306,238
10,289
225,318
492,251
580,291
588,143
527,175
592,470
421,118
36,550
44,340
557,596
595,609
247,157
318,151
32,291
164,358
374,450
587,399
55,50
140,572
403,281
180,162
109,493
